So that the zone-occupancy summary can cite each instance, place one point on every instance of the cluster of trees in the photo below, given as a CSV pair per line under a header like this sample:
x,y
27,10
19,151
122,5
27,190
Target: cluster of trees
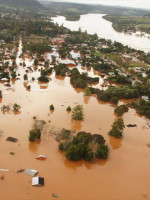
x,y
44,74
84,146
81,80
5,75
124,92
120,79
39,47
51,107
120,110
142,107
117,128
102,67
34,134
78,112
61,69
16,107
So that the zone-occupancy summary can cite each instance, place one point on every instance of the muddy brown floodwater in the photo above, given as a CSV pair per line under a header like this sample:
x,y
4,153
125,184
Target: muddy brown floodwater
x,y
124,176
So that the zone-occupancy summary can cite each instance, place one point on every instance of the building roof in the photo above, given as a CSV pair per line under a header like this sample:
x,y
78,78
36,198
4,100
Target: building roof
x,y
37,181
31,172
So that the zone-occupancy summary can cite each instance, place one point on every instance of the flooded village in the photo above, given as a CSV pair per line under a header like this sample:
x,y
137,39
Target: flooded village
x,y
46,71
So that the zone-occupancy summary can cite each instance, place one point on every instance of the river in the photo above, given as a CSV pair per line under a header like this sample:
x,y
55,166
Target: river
x,y
94,23
124,176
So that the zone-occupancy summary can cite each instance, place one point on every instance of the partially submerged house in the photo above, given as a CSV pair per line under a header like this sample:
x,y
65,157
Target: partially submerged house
x,y
38,181
31,172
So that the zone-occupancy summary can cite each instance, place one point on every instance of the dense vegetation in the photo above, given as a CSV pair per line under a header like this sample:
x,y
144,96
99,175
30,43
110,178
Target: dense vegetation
x,y
120,110
124,92
130,23
34,134
117,128
83,146
78,112
142,107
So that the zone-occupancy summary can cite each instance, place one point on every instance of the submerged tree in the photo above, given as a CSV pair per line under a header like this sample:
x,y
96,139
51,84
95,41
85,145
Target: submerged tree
x,y
16,107
117,128
1,94
78,112
34,134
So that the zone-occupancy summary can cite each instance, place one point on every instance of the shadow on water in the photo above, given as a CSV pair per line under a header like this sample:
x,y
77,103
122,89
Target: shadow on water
x,y
86,99
33,146
76,124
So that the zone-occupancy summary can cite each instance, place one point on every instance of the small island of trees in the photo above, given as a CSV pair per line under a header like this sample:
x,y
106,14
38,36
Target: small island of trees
x,y
82,146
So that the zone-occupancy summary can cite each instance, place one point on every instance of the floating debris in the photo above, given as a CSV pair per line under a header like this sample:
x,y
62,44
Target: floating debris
x,y
55,195
12,153
131,125
20,170
4,170
12,139
41,157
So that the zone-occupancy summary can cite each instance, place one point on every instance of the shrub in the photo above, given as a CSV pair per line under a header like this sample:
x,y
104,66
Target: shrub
x,y
34,134
68,108
89,155
75,152
120,110
117,128
87,91
25,77
51,107
102,151
43,79
16,107
114,100
78,112
98,139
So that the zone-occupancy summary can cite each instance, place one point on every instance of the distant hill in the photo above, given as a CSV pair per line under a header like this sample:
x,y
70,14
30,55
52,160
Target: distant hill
x,y
77,9
25,4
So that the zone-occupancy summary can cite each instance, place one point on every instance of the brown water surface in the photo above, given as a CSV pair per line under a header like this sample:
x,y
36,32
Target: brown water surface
x,y
124,176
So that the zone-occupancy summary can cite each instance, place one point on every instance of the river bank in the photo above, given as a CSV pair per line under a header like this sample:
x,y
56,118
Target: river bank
x,y
95,23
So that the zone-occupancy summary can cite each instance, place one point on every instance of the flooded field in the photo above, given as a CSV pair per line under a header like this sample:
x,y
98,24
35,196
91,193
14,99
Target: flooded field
x,y
124,176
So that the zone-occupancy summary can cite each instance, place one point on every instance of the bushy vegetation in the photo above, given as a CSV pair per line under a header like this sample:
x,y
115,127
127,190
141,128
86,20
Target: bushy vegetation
x,y
87,91
68,108
51,107
117,128
83,146
120,110
124,92
78,112
142,107
34,134
61,69
81,80
16,107
43,78
120,79
1,94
